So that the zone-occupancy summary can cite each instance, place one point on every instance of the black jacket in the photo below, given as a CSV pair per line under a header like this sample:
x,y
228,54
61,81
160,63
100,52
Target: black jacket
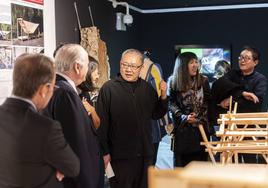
x,y
221,89
32,148
125,114
66,107
255,83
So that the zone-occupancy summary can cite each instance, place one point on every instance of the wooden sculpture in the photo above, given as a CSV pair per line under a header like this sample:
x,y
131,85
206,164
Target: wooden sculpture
x,y
234,128
95,47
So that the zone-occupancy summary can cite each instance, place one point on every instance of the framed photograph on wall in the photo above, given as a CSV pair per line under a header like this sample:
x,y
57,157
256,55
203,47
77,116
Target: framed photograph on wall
x,y
213,59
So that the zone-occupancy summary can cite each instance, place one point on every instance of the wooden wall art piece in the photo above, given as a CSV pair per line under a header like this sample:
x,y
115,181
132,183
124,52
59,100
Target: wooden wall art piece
x,y
90,40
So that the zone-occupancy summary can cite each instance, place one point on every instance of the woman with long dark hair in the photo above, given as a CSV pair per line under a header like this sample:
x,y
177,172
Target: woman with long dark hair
x,y
89,90
188,103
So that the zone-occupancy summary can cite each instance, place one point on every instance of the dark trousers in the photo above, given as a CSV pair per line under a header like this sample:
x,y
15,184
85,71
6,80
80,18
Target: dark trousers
x,y
181,160
130,173
156,146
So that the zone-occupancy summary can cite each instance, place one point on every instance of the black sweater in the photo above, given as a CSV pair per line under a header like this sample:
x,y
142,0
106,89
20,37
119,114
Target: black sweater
x,y
234,83
125,112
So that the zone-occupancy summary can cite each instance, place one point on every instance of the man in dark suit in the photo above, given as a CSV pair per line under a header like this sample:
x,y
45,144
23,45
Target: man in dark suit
x,y
32,146
65,106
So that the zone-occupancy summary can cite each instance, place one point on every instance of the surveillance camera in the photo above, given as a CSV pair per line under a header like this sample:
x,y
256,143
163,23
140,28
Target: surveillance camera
x,y
128,19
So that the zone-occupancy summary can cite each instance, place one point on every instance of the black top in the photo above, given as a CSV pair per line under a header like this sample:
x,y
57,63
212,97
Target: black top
x,y
255,83
125,115
66,107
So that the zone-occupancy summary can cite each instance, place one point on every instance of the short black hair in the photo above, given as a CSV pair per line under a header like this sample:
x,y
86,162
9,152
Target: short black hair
x,y
255,53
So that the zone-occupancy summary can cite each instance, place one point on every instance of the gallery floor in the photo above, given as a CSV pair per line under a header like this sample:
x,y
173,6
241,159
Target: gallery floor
x,y
164,156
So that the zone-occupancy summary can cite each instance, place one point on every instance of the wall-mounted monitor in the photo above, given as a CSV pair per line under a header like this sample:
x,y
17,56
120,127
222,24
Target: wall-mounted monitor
x,y
208,56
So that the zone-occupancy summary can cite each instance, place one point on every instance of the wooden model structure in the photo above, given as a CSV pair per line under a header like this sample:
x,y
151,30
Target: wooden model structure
x,y
26,28
239,133
207,175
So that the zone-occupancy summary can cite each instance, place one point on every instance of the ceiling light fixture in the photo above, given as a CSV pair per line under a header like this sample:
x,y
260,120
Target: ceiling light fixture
x,y
122,19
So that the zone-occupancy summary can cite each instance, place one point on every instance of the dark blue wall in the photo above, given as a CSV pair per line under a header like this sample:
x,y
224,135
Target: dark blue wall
x,y
104,17
236,28
161,32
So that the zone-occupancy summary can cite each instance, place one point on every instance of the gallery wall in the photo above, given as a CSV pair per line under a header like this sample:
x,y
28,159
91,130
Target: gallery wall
x,y
104,18
234,28
161,32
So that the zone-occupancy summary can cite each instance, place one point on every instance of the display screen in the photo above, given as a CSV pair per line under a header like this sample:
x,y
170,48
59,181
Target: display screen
x,y
211,58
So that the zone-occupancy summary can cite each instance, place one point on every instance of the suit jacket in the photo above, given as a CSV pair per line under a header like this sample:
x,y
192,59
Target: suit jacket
x,y
66,107
32,148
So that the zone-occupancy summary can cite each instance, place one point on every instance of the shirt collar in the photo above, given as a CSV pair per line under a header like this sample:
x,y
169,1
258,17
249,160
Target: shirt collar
x,y
69,80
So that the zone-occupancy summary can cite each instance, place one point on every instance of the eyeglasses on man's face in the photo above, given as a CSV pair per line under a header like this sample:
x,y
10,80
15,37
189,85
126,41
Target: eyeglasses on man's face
x,y
244,58
131,66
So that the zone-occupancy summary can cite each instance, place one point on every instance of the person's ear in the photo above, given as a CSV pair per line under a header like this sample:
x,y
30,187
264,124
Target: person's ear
x,y
77,68
43,90
256,62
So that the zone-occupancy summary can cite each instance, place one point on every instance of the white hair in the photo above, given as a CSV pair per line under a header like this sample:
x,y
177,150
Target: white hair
x,y
68,55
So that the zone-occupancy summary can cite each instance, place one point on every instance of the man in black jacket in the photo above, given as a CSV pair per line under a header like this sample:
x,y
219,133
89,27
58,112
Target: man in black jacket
x,y
71,62
33,147
126,105
247,86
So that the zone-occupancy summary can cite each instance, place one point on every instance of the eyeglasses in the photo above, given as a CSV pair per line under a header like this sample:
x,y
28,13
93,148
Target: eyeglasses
x,y
245,58
132,67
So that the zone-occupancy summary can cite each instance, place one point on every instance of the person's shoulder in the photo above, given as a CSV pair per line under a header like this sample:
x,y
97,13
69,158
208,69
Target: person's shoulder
x,y
42,121
232,74
64,86
111,81
109,84
64,91
109,87
260,76
145,86
144,83
203,77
